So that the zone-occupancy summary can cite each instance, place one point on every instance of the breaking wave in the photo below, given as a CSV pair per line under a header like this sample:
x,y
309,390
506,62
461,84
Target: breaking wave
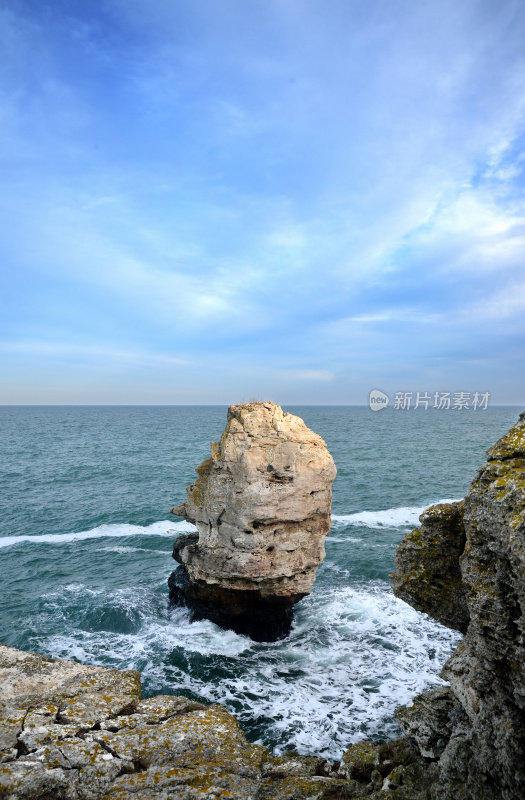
x,y
353,656
389,518
162,528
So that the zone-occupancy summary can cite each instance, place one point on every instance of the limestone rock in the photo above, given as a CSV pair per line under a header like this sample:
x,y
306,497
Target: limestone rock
x,y
261,504
431,719
383,771
481,749
428,575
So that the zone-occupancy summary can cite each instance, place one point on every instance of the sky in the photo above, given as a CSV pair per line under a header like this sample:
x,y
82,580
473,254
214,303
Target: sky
x,y
211,201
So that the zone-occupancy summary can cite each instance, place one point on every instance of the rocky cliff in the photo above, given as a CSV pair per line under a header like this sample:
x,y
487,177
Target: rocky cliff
x,y
428,575
261,504
465,566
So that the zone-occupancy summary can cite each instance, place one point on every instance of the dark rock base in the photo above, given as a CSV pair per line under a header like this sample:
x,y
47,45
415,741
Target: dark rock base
x,y
242,611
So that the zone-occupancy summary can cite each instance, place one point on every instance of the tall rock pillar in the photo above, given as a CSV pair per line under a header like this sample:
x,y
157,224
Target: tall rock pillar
x,y
261,505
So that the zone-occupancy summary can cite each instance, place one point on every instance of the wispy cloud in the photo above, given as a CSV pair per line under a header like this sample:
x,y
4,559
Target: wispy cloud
x,y
100,353
262,189
306,374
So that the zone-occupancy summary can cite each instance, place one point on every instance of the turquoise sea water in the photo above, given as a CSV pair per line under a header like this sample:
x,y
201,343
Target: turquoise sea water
x,y
85,549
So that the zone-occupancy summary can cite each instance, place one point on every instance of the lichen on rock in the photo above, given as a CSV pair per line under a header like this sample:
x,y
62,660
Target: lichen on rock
x,y
475,730
428,574
261,504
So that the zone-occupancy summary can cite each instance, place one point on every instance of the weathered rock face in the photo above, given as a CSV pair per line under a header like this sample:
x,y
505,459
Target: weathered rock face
x,y
69,732
475,729
261,505
428,575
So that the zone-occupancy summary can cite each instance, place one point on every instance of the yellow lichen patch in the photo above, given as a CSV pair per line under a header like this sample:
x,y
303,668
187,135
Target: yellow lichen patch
x,y
427,565
359,761
204,468
197,490
444,509
512,444
517,520
291,788
216,451
10,779
480,582
196,782
206,737
415,538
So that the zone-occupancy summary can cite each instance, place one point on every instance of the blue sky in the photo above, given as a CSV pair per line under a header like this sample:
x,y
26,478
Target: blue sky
x,y
205,201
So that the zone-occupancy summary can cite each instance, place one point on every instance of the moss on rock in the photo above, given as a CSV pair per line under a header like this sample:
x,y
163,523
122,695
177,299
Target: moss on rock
x,y
428,574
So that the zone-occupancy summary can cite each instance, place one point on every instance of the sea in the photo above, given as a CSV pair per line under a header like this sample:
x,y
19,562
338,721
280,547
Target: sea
x,y
86,540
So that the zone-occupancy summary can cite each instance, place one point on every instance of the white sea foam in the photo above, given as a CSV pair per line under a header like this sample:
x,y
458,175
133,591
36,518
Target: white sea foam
x,y
161,630
162,528
389,518
122,549
345,539
355,652
353,656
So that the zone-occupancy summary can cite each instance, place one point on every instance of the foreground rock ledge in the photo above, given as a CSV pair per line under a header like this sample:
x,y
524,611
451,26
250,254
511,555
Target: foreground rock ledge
x,y
70,732
262,506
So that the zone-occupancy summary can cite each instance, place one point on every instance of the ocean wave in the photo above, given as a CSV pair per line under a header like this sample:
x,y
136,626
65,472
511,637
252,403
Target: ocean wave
x,y
162,528
123,550
388,518
345,539
353,656
76,606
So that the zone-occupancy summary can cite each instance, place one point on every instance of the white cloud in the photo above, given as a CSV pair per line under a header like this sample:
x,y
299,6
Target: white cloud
x,y
207,174
505,304
394,314
475,213
305,374
288,237
99,353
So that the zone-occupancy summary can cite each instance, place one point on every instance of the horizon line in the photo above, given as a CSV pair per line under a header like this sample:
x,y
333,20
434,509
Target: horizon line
x,y
220,405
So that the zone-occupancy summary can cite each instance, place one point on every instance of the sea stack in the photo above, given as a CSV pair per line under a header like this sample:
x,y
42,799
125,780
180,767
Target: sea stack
x,y
261,505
